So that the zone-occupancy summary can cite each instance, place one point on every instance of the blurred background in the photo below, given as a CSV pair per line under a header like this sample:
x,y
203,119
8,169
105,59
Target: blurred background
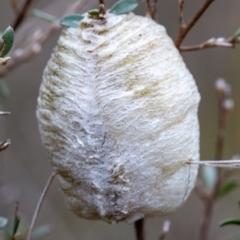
x,y
24,167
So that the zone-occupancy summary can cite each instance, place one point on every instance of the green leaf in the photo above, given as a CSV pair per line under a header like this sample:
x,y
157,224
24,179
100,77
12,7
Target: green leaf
x,y
3,222
209,176
43,15
41,232
4,91
8,39
1,40
236,34
227,188
123,7
16,220
94,13
71,20
230,221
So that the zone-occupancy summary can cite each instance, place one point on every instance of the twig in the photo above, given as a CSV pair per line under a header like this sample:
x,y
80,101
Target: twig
x,y
5,144
39,204
184,29
225,104
181,18
165,229
139,229
4,113
102,11
22,14
212,43
218,163
224,107
20,56
151,8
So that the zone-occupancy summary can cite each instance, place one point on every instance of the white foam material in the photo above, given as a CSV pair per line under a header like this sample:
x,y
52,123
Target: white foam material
x,y
117,113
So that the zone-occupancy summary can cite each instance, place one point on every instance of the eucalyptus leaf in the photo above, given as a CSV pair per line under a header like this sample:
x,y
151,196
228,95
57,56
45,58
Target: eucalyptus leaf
x,y
16,221
8,39
209,176
230,221
4,91
237,34
227,188
3,222
1,40
43,15
41,232
123,7
71,20
94,13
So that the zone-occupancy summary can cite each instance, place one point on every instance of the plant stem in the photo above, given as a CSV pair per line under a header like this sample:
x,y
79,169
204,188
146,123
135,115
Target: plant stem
x,y
165,229
223,92
22,14
39,204
184,29
139,229
151,8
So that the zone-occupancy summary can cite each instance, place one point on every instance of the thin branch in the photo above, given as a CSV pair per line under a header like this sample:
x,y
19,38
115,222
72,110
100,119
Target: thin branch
x,y
184,29
181,18
39,204
165,229
217,163
139,229
212,43
223,93
4,113
102,11
151,8
225,105
22,14
21,56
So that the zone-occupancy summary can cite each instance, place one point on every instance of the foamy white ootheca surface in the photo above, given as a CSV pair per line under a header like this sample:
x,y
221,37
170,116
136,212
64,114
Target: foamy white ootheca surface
x,y
117,113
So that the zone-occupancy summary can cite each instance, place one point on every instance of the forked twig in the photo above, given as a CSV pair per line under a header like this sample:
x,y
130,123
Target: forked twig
x,y
21,56
39,204
185,28
212,43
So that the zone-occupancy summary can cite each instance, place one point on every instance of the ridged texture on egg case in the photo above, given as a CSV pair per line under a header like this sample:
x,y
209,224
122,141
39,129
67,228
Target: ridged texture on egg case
x,y
117,113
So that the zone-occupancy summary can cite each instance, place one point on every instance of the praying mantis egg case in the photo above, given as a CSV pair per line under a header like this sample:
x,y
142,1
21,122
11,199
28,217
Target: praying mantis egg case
x,y
117,114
